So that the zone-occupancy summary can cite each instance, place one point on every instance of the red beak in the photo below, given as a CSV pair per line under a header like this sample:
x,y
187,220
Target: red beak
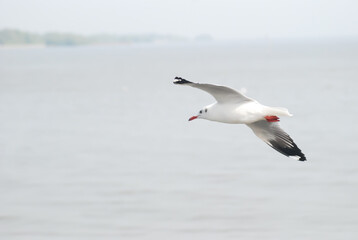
x,y
192,118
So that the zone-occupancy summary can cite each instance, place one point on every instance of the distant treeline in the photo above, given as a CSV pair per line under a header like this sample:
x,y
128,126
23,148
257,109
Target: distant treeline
x,y
17,37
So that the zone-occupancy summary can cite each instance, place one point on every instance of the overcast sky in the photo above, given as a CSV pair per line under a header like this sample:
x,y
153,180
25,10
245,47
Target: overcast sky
x,y
223,19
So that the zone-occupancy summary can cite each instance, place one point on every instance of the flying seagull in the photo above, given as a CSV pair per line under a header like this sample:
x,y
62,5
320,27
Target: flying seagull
x,y
235,108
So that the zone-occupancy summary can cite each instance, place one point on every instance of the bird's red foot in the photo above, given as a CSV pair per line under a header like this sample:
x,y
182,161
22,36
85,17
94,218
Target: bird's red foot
x,y
272,118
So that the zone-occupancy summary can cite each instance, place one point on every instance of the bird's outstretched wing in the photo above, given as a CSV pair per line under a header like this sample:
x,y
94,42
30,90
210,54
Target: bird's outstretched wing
x,y
220,93
275,137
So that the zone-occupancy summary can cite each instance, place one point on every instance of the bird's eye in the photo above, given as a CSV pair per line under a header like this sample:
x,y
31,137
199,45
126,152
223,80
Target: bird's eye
x,y
206,110
201,111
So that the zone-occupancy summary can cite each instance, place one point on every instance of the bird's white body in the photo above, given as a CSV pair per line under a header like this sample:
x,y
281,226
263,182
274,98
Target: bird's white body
x,y
245,113
235,108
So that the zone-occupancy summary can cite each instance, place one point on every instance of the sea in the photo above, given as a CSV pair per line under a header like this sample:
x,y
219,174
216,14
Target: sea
x,y
95,142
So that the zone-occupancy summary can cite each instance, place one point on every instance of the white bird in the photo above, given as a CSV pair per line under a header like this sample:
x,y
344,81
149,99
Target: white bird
x,y
235,108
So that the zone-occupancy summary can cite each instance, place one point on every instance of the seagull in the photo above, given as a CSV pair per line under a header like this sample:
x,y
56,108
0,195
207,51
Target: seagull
x,y
234,107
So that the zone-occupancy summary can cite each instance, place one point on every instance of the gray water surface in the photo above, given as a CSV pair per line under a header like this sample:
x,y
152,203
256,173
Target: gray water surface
x,y
95,143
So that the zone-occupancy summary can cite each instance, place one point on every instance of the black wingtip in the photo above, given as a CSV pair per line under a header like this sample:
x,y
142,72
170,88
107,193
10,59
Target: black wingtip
x,y
179,80
300,154
289,151
302,158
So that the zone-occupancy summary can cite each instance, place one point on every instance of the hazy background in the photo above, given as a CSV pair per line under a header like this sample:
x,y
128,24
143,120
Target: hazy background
x,y
95,142
226,19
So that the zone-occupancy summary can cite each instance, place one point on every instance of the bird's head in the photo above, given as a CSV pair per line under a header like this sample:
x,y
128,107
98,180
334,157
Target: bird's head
x,y
203,113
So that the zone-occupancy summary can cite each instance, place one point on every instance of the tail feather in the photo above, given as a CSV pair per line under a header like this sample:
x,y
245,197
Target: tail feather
x,y
277,111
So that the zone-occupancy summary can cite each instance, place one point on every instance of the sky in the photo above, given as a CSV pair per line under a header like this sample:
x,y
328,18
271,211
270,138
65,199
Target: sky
x,y
223,19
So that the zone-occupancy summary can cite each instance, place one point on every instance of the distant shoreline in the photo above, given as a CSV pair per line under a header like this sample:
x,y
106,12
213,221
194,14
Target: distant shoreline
x,y
14,37
40,46
21,46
